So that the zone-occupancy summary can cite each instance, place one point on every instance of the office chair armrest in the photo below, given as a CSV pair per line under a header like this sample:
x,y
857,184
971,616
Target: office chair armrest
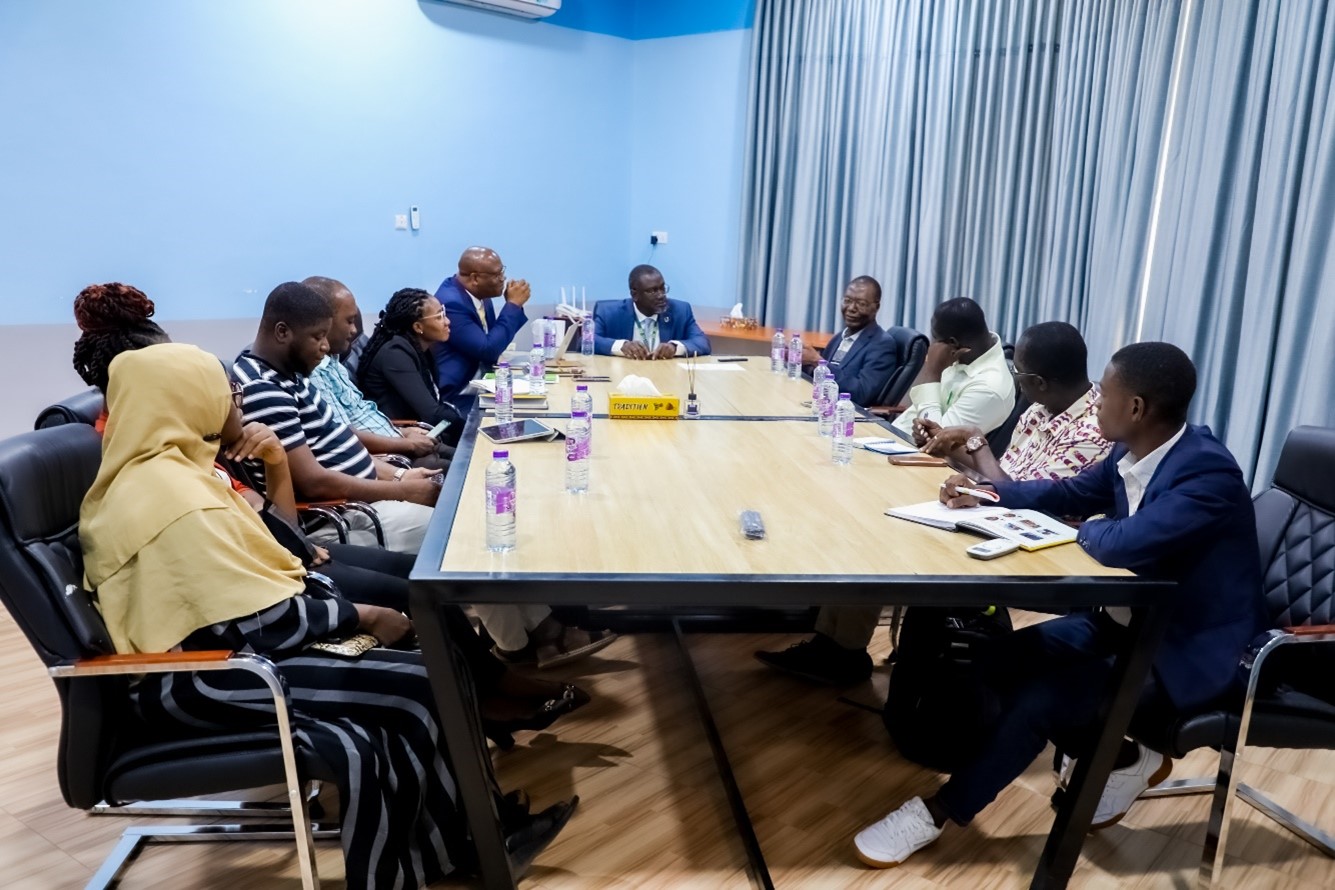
x,y
889,412
170,662
1310,630
417,423
1268,642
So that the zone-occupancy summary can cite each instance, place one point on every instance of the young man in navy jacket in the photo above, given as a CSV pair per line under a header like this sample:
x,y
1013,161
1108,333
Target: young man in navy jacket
x,y
1174,506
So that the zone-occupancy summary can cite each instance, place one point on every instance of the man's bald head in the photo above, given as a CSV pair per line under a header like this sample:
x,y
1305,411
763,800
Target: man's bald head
x,y
481,272
347,317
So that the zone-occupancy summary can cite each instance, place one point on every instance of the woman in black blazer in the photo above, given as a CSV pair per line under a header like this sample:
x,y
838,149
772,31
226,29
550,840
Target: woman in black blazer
x,y
397,370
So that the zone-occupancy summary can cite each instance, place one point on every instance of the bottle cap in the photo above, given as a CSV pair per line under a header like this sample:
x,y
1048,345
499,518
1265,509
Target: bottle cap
x,y
843,396
500,455
503,364
581,387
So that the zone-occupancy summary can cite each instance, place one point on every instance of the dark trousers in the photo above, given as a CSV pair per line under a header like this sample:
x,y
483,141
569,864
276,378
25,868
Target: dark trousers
x,y
380,578
1051,679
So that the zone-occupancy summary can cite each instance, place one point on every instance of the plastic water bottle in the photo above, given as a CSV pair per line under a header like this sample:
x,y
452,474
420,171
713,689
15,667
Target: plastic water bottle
x,y
582,400
537,367
578,446
795,356
549,338
843,430
828,399
818,375
505,393
586,335
500,484
776,352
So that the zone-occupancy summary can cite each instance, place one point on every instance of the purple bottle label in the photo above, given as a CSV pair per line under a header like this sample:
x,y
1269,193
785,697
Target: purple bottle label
x,y
826,408
549,334
504,498
577,448
848,429
794,353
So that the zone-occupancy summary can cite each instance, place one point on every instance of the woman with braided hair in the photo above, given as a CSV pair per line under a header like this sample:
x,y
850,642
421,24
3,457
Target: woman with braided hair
x,y
114,318
396,369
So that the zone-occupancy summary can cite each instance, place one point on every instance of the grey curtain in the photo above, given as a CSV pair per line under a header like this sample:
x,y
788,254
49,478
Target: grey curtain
x,y
1019,152
1242,273
977,148
894,139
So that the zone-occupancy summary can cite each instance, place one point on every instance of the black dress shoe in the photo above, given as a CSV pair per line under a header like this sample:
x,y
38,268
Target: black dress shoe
x,y
538,830
821,660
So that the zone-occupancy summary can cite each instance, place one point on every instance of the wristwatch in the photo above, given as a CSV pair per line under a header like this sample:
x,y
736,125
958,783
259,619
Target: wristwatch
x,y
398,474
975,443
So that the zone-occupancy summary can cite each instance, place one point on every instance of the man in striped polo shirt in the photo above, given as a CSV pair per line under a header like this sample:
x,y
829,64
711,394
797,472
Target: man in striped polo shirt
x,y
328,462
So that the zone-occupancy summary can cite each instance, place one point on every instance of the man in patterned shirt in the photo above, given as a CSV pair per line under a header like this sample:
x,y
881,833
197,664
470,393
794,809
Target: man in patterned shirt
x,y
1057,437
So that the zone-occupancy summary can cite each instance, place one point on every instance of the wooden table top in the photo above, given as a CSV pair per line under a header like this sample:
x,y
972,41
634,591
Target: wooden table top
x,y
737,389
714,328
665,496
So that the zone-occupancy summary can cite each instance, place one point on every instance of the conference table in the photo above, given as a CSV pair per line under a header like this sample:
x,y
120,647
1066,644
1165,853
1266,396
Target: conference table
x,y
755,447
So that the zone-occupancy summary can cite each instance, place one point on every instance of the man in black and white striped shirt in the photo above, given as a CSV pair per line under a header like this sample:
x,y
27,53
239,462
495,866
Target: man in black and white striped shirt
x,y
328,462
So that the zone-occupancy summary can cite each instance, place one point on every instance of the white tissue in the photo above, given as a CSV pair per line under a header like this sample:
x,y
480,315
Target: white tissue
x,y
567,310
634,385
736,312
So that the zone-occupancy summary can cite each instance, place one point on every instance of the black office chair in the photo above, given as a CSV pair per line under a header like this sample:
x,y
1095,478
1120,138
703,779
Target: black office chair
x,y
1000,438
84,407
912,348
1291,704
107,758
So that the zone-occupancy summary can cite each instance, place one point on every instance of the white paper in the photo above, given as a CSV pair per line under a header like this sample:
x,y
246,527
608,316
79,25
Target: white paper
x,y
736,312
712,366
634,385
882,445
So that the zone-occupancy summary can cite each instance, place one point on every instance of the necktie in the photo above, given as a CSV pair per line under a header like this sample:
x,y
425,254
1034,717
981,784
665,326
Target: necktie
x,y
649,333
842,352
482,316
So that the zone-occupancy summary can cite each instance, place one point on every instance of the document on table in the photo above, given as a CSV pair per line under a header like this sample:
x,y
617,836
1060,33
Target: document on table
x,y
882,445
713,366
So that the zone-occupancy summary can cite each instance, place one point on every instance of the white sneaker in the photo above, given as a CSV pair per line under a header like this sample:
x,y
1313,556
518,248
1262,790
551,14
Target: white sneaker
x,y
1125,785
898,836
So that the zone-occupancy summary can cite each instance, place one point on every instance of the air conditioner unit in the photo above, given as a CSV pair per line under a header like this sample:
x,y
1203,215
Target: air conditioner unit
x,y
525,9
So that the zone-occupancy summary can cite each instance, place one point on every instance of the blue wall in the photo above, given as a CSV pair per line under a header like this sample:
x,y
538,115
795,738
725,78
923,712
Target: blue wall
x,y
208,150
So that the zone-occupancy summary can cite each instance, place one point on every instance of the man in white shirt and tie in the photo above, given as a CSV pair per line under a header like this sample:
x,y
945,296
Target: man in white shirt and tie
x,y
647,325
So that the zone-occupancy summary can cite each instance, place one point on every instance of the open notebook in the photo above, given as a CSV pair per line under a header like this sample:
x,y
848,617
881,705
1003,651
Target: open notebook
x,y
1028,528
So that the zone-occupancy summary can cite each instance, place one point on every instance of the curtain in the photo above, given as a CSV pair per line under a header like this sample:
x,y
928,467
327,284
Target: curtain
x,y
1002,150
1243,252
896,140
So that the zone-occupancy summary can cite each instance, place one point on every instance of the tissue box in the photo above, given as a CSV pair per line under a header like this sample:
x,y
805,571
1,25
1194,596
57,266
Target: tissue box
x,y
663,407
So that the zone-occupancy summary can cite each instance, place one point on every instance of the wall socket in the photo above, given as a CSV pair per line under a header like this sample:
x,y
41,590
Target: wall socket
x,y
656,238
401,222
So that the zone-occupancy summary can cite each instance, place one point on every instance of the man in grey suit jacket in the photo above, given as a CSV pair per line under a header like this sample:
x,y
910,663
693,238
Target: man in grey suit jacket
x,y
862,356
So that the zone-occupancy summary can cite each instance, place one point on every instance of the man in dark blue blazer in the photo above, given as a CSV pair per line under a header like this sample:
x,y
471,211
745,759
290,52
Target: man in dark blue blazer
x,y
478,335
647,325
1174,506
862,356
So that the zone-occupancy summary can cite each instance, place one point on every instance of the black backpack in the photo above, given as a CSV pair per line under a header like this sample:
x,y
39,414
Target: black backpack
x,y
938,710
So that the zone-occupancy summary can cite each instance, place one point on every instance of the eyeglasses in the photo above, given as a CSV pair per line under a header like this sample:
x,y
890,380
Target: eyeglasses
x,y
433,316
654,291
1016,372
482,273
238,394
859,304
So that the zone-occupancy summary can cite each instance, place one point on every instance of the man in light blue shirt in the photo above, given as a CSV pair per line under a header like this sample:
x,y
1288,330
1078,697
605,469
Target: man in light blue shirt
x,y
375,431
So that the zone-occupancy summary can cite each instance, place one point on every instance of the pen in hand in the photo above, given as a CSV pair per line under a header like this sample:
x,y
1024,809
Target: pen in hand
x,y
981,493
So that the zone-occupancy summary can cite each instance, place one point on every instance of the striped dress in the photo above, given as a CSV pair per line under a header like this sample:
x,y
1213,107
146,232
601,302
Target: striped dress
x,y
371,720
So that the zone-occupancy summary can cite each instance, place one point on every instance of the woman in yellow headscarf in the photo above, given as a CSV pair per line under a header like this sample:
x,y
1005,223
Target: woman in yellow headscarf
x,y
179,560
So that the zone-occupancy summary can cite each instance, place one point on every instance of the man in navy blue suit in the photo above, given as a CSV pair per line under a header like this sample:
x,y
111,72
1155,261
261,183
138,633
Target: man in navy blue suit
x,y
647,325
862,356
478,335
1174,506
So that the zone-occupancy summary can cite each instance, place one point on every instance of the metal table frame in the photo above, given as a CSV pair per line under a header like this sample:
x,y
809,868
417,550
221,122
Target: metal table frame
x,y
1149,601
